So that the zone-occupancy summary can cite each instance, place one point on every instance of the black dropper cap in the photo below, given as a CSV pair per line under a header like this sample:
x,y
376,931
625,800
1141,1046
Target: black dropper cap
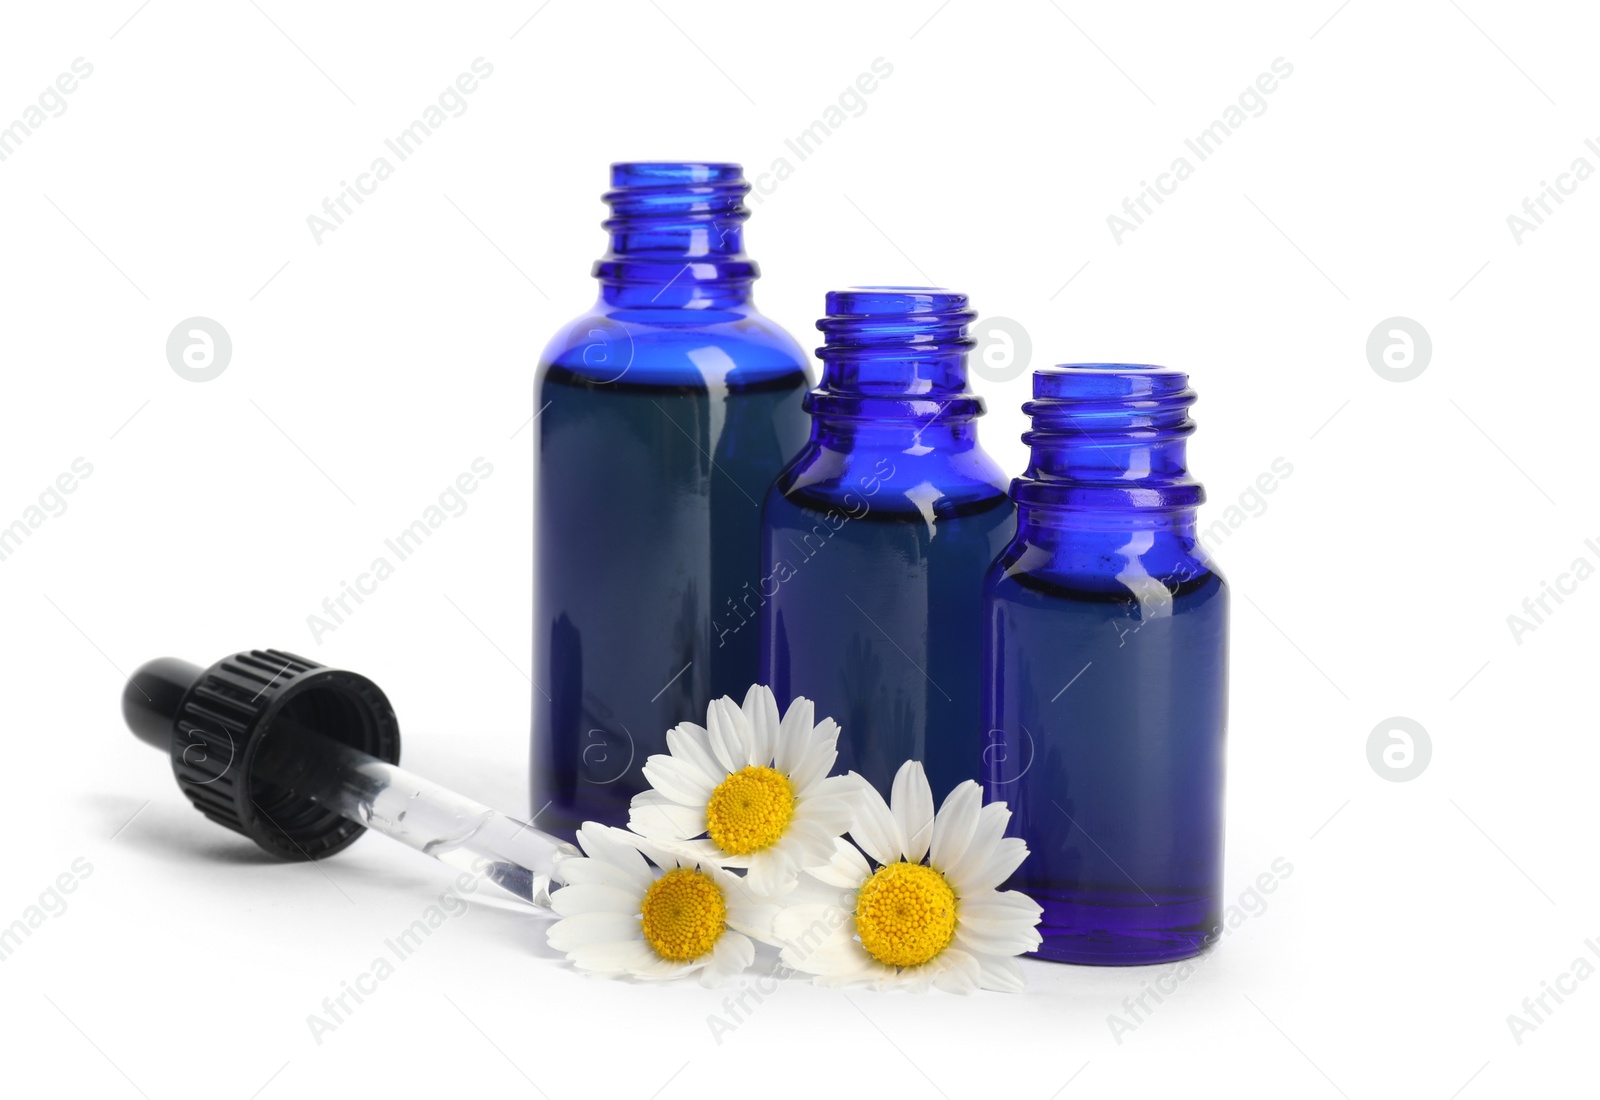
x,y
213,721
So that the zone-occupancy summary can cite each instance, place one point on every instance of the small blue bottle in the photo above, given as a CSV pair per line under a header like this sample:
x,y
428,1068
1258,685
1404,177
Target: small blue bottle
x,y
661,416
875,539
1105,688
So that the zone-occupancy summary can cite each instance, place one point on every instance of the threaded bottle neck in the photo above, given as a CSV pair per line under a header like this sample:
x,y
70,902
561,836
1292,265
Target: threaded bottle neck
x,y
1109,437
895,353
677,235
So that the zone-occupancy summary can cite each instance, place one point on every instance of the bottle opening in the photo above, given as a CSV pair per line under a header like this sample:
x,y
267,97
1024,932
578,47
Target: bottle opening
x,y
678,225
674,173
1074,382
898,341
676,209
1109,435
892,301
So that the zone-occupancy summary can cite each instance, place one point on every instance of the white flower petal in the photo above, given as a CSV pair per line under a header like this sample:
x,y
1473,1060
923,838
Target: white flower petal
x,y
732,955
679,780
847,869
589,928
1005,941
772,871
845,787
1003,975
874,827
918,979
696,853
839,963
729,735
830,816
817,938
989,908
820,756
755,920
811,890
573,899
653,814
581,869
614,957
1008,856
953,828
616,847
794,735
956,972
761,716
692,745
665,854
659,969
867,972
992,821
750,913
911,801
808,844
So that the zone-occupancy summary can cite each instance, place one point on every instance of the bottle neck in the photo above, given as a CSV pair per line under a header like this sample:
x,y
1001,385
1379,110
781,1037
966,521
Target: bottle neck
x,y
1107,501
894,370
677,238
906,433
1110,438
1052,526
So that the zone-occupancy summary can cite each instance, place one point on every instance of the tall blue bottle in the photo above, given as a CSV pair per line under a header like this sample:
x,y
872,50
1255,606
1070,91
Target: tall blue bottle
x,y
876,536
1106,672
662,415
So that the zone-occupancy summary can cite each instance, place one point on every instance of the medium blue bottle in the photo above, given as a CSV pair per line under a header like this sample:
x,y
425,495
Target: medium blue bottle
x,y
875,539
661,415
1105,687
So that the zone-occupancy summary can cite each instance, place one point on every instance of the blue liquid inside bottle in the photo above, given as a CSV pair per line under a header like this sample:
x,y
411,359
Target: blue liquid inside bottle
x,y
1106,685
662,416
876,538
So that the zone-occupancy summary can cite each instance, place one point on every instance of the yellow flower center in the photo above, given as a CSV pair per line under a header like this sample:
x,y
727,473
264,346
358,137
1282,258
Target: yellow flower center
x,y
905,914
749,810
683,915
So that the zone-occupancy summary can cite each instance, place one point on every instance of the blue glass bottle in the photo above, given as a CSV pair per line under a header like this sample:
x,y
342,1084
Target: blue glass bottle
x,y
662,415
875,539
1105,687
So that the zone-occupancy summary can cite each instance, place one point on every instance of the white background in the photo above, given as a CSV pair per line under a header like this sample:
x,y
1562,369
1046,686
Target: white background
x,y
369,371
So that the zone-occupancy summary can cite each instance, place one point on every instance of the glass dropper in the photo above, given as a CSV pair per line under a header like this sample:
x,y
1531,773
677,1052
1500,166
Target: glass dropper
x,y
420,814
302,759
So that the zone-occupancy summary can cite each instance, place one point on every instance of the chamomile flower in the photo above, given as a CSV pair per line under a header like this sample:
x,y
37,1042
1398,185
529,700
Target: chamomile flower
x,y
924,911
749,790
623,918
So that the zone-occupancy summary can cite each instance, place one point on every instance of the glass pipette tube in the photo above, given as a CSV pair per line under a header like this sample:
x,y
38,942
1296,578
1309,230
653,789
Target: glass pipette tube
x,y
511,855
